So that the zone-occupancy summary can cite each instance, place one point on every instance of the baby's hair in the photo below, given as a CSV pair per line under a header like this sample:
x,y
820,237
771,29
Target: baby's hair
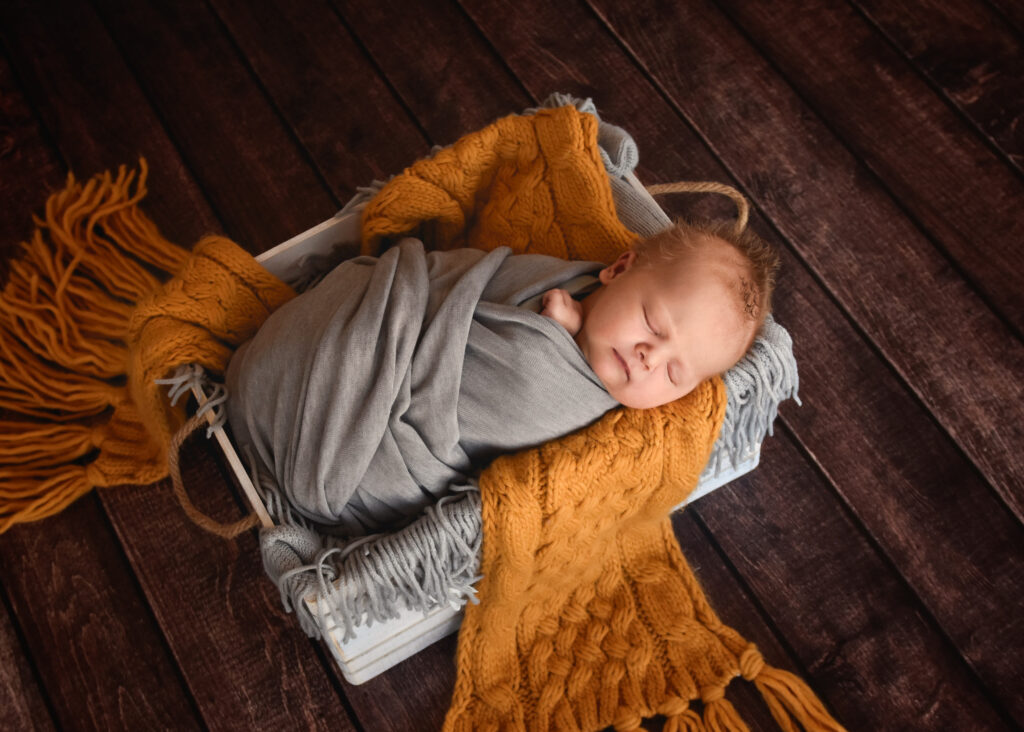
x,y
684,236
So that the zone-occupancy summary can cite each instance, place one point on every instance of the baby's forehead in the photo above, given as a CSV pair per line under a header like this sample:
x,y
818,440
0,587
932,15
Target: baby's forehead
x,y
709,261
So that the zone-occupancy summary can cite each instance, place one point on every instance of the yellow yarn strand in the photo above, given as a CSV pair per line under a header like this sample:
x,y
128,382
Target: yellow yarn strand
x,y
30,444
787,695
86,326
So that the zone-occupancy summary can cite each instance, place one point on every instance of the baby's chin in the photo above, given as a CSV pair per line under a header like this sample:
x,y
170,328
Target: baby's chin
x,y
633,401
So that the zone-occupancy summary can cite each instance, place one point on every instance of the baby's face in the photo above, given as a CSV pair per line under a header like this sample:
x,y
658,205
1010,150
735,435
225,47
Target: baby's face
x,y
653,333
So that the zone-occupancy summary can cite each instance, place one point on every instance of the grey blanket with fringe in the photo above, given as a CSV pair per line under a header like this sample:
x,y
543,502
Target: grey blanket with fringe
x,y
433,561
391,382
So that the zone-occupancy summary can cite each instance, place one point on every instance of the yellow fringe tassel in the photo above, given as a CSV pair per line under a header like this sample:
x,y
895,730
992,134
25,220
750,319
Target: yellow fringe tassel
x,y
86,325
787,696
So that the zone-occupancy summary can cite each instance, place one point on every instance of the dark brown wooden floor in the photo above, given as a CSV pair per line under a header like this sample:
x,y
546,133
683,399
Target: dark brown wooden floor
x,y
878,550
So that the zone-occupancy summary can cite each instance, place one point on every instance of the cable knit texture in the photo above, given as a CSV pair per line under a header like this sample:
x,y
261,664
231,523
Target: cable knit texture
x,y
534,183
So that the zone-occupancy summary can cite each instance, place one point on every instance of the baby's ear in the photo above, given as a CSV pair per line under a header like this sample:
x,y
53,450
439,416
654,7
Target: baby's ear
x,y
619,266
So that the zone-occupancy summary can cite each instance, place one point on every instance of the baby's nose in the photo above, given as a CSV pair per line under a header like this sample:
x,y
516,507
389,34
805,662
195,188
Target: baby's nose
x,y
644,353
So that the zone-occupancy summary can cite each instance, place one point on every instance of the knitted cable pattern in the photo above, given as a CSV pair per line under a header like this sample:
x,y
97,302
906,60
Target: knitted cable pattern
x,y
534,183
589,615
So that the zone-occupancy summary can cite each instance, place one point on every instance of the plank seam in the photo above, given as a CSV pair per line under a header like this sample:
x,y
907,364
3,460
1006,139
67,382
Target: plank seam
x,y
875,175
924,609
938,90
363,49
257,80
30,660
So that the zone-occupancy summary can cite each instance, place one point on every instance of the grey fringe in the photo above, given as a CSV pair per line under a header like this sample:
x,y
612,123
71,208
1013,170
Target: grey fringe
x,y
430,563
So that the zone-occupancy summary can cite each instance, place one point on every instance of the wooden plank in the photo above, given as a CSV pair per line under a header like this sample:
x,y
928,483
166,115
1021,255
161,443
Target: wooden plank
x,y
99,654
256,176
963,195
77,90
22,704
925,505
1012,12
191,600
341,110
413,695
842,610
968,52
247,660
900,291
729,596
439,64
29,168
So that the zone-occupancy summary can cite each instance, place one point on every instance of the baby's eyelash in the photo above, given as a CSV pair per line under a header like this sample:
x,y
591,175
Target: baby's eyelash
x,y
647,321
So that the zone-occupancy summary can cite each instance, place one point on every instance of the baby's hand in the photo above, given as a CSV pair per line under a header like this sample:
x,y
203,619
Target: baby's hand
x,y
561,308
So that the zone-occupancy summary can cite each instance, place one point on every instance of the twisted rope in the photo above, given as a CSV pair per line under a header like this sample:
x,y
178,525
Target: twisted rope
x,y
200,519
742,207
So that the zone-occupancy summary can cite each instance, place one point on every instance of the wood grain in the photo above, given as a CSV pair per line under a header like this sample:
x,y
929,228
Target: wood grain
x,y
246,160
247,661
347,119
1012,12
22,704
899,290
969,53
736,607
964,197
439,64
78,84
100,656
907,482
856,627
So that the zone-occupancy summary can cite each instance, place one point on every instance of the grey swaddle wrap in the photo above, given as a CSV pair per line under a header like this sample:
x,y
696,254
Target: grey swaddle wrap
x,y
390,382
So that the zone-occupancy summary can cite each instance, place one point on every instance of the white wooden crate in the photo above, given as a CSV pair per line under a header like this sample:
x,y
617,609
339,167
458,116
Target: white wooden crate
x,y
377,647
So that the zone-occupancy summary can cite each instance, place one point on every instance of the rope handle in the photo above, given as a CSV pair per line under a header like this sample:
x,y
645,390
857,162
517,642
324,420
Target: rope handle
x,y
200,519
742,207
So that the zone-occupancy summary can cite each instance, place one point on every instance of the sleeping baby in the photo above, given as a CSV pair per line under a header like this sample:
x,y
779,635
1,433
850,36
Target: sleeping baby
x,y
396,379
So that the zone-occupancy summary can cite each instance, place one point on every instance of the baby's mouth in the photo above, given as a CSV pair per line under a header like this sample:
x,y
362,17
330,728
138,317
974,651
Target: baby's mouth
x,y
622,361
